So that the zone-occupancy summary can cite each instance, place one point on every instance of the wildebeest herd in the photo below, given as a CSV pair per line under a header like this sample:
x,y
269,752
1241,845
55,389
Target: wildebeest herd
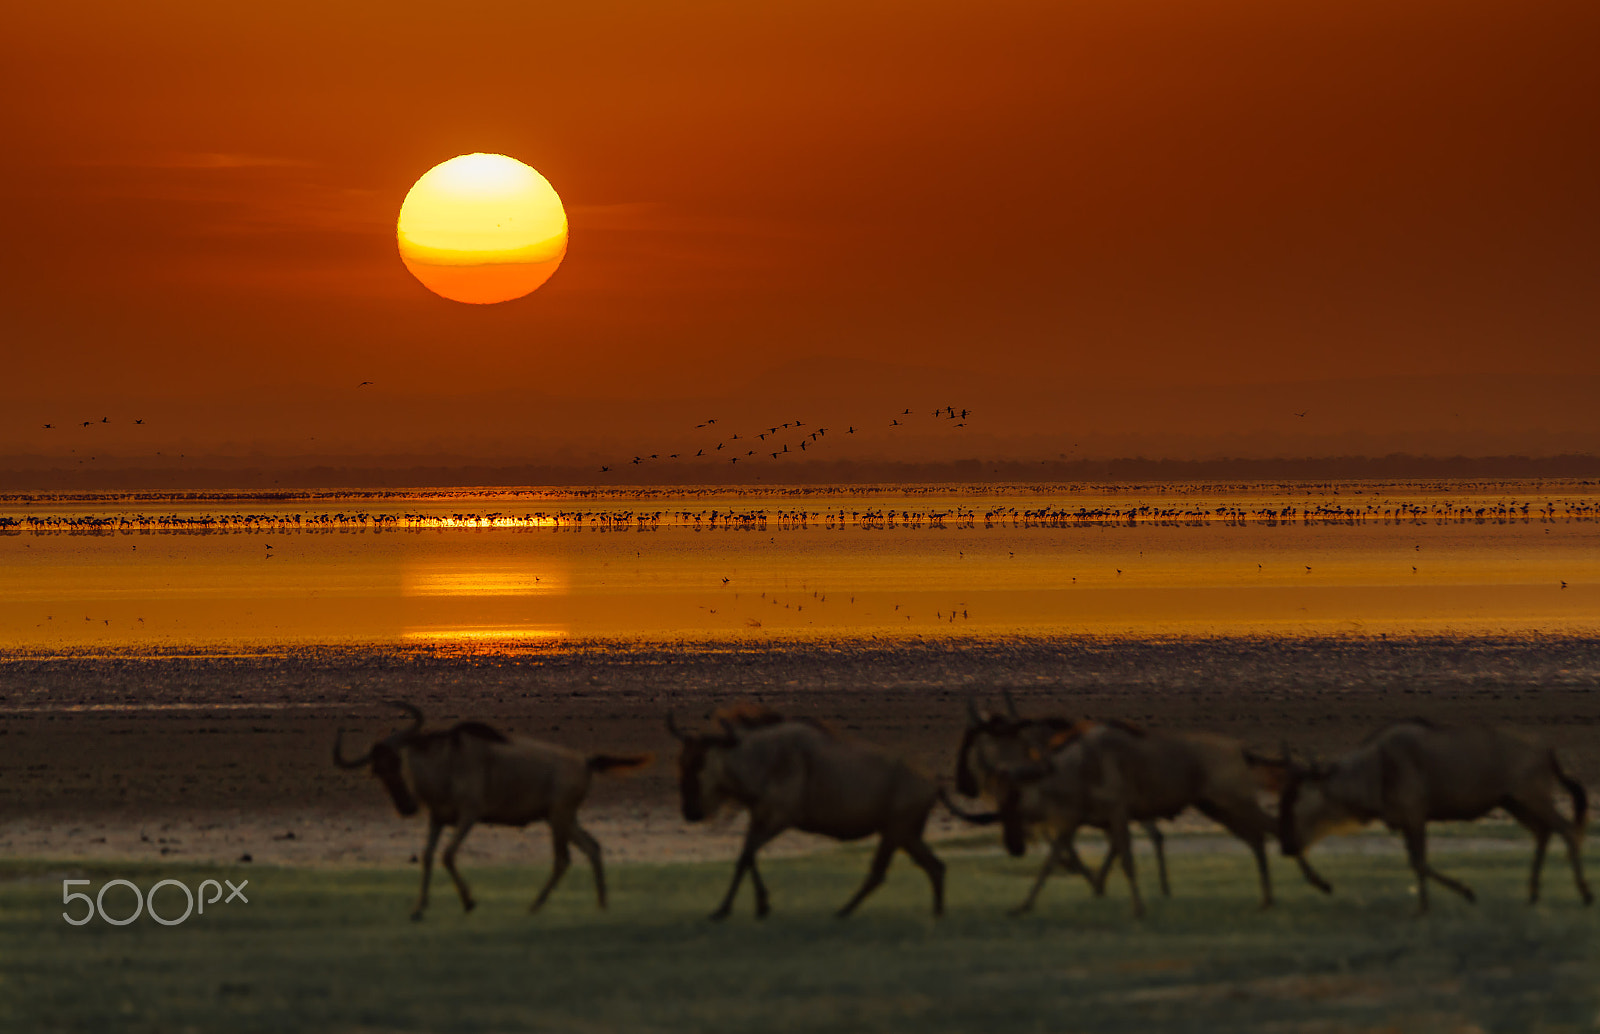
x,y
1044,777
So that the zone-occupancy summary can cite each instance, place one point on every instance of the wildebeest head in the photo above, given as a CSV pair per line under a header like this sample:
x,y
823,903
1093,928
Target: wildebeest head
x,y
1306,812
1018,794
386,761
700,761
996,741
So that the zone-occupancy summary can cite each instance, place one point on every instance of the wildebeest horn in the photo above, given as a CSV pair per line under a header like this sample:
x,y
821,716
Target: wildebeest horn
x,y
1011,705
338,757
412,710
672,727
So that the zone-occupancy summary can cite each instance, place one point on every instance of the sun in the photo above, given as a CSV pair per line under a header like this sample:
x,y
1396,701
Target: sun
x,y
482,228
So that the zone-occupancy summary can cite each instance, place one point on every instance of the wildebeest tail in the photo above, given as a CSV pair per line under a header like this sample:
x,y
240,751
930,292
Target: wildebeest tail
x,y
1269,773
1580,796
618,762
977,818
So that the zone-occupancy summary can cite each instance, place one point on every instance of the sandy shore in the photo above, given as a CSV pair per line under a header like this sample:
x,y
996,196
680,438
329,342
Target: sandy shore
x,y
210,757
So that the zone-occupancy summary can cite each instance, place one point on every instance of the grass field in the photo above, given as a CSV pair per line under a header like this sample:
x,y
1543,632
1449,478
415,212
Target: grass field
x,y
332,950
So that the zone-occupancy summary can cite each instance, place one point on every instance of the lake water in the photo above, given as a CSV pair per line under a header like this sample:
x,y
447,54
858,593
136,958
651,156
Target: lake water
x,y
502,569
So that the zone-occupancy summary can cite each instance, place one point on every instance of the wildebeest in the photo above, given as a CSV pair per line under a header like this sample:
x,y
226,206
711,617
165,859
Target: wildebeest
x,y
797,774
996,744
1415,772
472,773
1109,774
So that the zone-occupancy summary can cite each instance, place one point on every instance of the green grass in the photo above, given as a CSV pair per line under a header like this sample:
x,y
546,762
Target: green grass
x,y
333,951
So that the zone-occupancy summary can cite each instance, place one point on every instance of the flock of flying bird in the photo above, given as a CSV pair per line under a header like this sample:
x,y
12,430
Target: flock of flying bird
x,y
757,444
91,423
774,441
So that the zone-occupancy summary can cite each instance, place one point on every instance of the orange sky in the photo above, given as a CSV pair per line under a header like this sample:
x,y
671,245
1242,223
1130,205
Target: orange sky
x,y
1157,227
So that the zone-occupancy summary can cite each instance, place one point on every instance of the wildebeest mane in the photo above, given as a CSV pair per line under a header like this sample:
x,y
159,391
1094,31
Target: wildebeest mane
x,y
479,730
1072,733
459,731
1426,723
1271,773
747,715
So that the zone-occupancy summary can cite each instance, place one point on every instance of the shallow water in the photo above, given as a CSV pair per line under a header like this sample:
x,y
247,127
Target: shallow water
x,y
521,567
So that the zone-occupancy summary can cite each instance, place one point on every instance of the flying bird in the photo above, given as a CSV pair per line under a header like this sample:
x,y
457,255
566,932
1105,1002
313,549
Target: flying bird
x,y
363,384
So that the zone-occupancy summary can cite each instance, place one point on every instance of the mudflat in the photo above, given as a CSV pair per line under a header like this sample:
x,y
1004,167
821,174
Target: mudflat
x,y
210,756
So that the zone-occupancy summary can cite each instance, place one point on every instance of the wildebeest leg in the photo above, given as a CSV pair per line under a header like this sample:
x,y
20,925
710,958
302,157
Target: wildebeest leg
x,y
1533,823
929,862
1052,856
1417,849
1066,849
1159,843
760,886
1312,876
1246,822
591,850
1541,840
1574,838
755,836
449,858
434,828
1541,818
880,867
1120,844
560,858
1097,880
